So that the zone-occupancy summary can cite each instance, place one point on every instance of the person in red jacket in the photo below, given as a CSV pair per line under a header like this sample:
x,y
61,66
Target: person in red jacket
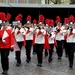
x,y
6,44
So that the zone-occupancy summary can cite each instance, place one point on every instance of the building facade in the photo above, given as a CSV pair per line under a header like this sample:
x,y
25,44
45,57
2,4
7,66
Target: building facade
x,y
21,1
35,1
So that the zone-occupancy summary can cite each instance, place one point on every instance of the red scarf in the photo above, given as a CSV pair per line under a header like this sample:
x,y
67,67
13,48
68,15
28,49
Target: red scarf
x,y
70,33
39,33
28,31
18,32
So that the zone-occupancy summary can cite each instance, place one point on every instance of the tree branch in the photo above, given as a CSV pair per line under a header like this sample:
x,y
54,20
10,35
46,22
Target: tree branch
x,y
53,1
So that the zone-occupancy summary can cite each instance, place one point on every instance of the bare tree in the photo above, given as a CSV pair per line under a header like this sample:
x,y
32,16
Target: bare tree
x,y
56,1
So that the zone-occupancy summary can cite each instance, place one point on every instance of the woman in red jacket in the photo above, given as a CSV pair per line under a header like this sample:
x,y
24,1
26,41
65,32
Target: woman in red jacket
x,y
6,44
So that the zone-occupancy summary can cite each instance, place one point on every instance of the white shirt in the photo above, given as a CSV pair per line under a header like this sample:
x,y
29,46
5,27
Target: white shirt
x,y
51,38
19,37
29,36
40,39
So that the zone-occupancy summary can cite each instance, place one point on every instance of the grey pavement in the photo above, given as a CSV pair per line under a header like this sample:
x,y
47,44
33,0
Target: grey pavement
x,y
56,67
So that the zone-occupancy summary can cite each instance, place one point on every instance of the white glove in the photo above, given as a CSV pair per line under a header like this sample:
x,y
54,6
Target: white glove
x,y
3,41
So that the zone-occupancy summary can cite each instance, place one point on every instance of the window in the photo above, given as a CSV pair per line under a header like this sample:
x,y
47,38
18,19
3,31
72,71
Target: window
x,y
21,1
18,1
7,1
38,1
15,1
25,1
32,1
11,1
2,1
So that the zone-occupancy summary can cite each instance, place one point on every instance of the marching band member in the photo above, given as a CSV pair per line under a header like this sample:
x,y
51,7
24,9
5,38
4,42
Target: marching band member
x,y
40,44
51,40
40,34
66,23
34,36
19,33
6,44
70,47
46,45
71,42
58,38
29,38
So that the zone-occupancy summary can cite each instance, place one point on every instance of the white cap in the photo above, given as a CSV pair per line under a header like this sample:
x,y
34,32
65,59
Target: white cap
x,y
18,21
47,25
40,22
71,22
34,24
0,21
67,24
28,21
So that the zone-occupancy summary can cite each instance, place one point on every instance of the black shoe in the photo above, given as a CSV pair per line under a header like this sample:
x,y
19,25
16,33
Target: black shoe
x,y
16,58
46,55
71,66
50,60
5,72
28,60
39,64
34,53
18,64
66,55
59,58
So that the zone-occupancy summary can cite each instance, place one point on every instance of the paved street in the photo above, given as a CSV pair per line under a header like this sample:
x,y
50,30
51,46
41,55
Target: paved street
x,y
56,67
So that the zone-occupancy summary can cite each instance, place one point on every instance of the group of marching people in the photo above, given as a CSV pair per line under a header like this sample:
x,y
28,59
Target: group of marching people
x,y
43,36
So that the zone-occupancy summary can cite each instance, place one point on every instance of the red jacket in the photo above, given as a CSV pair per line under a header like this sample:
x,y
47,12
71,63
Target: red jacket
x,y
8,38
